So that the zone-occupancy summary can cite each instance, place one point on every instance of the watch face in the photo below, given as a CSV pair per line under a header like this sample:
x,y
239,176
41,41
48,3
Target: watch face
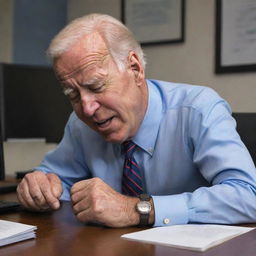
x,y
144,207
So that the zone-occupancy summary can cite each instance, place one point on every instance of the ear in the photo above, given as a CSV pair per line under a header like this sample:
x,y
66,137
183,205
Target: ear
x,y
136,67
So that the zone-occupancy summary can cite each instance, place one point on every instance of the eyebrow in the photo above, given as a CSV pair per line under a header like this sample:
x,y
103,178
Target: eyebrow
x,y
67,91
93,81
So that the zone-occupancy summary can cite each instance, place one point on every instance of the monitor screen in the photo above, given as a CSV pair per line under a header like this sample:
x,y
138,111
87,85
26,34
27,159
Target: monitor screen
x,y
2,171
33,105
246,127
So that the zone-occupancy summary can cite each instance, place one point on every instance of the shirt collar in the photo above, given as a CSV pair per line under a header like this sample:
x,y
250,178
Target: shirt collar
x,y
146,136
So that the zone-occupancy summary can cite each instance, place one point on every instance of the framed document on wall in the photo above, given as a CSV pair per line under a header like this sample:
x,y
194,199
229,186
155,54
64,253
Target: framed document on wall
x,y
155,21
235,36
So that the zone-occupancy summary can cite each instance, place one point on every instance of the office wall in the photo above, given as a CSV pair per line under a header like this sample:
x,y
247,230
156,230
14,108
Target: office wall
x,y
191,61
6,14
77,8
35,22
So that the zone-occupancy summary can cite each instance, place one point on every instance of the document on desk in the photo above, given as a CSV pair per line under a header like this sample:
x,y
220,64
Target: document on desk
x,y
198,237
12,232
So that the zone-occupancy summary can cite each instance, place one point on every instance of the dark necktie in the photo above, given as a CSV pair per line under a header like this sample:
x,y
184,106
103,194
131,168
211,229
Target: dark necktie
x,y
132,182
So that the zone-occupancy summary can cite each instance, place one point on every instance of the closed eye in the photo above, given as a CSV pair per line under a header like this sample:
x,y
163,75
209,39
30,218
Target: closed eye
x,y
96,89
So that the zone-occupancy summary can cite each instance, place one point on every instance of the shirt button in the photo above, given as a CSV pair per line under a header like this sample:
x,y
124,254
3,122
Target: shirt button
x,y
150,150
166,221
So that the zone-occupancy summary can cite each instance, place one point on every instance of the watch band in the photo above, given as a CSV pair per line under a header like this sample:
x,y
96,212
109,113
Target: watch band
x,y
144,197
144,217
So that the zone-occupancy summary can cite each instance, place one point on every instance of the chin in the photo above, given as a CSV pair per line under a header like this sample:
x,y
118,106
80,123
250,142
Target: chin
x,y
116,138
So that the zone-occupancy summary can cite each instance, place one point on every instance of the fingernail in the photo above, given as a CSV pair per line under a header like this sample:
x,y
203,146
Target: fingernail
x,y
56,205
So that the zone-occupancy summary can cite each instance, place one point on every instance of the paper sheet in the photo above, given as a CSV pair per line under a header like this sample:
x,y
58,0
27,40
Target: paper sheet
x,y
11,232
195,237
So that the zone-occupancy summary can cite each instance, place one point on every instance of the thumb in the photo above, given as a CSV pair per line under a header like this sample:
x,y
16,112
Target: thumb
x,y
55,184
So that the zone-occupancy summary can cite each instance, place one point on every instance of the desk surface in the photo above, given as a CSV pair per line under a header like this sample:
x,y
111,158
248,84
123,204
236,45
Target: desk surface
x,y
59,233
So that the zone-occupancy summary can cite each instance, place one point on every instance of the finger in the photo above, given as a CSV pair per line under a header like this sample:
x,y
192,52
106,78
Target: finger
x,y
56,184
87,215
84,216
40,190
81,205
20,195
24,196
79,196
86,184
33,180
82,210
80,186
50,200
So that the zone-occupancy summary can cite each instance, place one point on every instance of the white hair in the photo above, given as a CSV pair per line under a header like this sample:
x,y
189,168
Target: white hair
x,y
118,38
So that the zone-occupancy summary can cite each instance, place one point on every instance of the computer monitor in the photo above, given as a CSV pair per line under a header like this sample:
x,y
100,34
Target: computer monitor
x,y
6,186
33,105
2,170
246,127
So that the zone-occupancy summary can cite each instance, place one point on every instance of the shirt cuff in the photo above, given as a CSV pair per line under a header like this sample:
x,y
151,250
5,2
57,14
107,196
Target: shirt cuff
x,y
170,210
65,196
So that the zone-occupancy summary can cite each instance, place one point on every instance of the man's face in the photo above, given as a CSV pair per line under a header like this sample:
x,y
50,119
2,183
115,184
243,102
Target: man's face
x,y
110,101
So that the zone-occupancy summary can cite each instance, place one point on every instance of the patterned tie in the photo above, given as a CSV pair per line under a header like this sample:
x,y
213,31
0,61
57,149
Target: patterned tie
x,y
132,182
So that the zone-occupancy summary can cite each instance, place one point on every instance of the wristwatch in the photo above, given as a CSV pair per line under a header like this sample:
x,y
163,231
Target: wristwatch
x,y
143,207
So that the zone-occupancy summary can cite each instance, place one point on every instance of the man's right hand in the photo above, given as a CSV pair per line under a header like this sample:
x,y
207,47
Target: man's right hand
x,y
39,191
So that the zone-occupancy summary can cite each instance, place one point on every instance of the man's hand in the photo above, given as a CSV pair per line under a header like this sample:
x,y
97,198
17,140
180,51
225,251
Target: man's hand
x,y
95,201
39,191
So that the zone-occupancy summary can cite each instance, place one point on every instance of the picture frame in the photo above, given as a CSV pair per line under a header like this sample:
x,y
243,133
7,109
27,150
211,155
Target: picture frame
x,y
235,36
155,21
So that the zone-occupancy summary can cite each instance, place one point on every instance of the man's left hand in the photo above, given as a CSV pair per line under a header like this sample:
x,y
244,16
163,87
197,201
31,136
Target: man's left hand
x,y
95,201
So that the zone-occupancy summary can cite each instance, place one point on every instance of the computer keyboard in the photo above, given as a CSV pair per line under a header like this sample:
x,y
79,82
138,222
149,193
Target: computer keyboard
x,y
6,206
7,187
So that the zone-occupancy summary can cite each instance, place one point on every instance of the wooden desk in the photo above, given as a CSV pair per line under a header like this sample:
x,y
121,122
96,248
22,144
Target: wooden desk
x,y
60,234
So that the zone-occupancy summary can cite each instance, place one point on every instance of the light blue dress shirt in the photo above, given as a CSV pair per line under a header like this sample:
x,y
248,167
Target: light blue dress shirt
x,y
192,159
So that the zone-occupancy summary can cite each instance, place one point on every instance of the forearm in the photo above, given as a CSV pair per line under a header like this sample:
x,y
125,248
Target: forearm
x,y
228,203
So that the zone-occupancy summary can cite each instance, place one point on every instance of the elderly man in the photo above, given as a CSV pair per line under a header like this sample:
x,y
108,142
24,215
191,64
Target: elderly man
x,y
138,151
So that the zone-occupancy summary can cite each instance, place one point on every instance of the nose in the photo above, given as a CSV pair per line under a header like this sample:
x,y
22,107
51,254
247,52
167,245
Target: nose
x,y
89,104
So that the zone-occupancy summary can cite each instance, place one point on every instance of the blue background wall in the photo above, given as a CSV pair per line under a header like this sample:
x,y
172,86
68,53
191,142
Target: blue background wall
x,y
35,24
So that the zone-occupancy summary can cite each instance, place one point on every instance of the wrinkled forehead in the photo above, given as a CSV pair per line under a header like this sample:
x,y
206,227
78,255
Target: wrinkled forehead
x,y
86,54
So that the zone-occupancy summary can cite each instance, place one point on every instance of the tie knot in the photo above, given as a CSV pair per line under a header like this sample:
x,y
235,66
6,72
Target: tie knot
x,y
129,147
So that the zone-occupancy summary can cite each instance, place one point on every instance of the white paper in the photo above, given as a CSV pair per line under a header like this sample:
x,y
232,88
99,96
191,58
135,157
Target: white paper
x,y
11,232
195,237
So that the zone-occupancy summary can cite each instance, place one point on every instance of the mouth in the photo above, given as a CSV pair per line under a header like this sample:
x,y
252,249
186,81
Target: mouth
x,y
105,123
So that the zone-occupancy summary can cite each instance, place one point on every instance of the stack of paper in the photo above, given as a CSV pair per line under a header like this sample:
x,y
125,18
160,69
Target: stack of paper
x,y
12,232
193,237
